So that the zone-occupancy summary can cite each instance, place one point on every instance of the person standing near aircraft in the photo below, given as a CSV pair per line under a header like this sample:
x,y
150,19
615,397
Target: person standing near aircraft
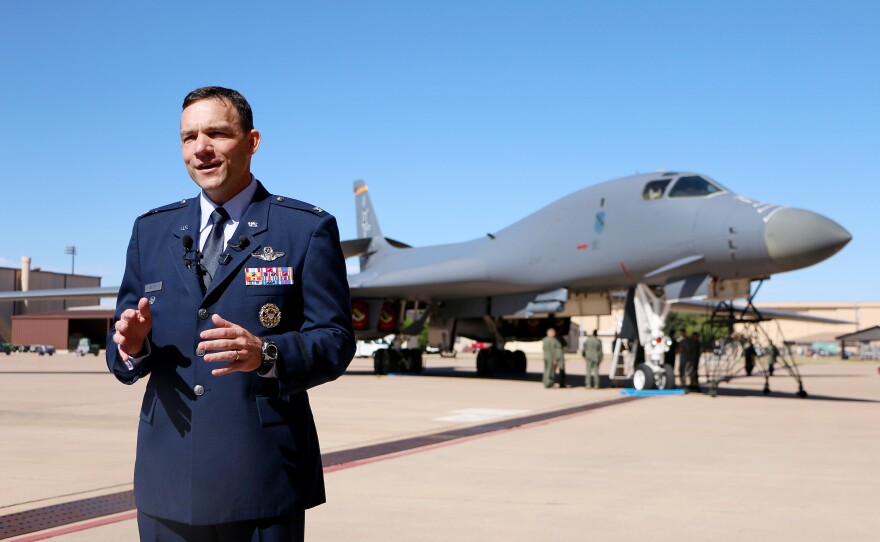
x,y
772,354
593,355
684,355
749,354
693,364
231,333
554,359
669,355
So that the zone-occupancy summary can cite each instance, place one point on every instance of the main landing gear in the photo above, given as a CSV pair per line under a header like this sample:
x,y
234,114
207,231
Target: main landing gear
x,y
393,360
492,360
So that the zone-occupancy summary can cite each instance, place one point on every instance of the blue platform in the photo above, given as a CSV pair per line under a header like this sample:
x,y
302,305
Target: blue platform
x,y
645,393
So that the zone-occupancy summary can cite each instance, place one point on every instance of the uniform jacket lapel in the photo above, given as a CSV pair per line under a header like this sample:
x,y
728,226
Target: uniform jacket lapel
x,y
188,225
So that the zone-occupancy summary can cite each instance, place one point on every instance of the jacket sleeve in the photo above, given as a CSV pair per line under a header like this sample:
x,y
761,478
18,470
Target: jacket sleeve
x,y
323,347
129,294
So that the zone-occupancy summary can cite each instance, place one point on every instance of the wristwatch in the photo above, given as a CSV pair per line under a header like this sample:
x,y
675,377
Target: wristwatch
x,y
269,353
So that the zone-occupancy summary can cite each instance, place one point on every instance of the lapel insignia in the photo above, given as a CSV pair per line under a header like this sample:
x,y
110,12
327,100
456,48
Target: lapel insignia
x,y
152,299
253,224
267,254
270,315
184,227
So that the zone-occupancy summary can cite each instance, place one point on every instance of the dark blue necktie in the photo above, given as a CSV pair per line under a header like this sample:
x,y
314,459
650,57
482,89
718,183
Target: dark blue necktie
x,y
214,245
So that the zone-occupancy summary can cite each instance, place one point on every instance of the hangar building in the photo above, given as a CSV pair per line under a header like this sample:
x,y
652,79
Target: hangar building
x,y
57,322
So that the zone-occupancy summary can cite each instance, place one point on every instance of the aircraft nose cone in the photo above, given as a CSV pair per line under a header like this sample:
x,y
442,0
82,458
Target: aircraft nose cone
x,y
797,238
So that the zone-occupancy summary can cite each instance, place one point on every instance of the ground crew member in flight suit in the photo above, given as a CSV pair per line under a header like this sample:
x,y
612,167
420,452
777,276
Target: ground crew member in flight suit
x,y
772,354
554,360
593,354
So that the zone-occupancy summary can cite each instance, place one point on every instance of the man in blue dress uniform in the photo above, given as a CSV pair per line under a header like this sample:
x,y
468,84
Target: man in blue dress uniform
x,y
234,303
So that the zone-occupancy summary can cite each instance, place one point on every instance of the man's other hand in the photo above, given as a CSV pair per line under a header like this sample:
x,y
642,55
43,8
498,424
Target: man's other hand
x,y
233,344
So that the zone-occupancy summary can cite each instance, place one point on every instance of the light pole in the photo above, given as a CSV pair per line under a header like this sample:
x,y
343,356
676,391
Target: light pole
x,y
72,251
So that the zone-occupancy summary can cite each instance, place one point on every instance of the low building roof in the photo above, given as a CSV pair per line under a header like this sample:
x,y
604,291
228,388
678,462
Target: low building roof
x,y
93,314
862,336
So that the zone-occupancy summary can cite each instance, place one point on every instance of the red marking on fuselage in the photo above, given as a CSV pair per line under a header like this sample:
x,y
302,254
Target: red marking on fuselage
x,y
583,247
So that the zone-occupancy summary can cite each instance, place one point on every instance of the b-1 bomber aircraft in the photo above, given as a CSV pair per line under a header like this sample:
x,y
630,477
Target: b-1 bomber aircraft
x,y
661,237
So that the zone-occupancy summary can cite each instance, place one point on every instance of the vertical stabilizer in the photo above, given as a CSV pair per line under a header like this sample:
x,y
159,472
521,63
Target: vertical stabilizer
x,y
367,223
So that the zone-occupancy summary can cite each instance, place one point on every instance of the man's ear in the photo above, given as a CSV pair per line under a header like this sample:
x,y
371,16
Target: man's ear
x,y
254,139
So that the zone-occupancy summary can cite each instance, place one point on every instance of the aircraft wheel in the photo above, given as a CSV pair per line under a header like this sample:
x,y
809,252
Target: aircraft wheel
x,y
395,361
412,360
519,362
481,363
643,378
405,360
381,361
486,362
667,378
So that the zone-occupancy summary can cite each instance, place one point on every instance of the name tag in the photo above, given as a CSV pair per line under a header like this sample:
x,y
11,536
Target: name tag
x,y
268,276
153,287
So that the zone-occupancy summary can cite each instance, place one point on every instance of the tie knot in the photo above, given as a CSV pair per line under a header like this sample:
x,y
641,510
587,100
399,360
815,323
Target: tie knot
x,y
219,216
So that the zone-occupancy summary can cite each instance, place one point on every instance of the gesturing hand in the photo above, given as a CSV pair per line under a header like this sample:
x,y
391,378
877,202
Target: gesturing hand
x,y
132,329
231,343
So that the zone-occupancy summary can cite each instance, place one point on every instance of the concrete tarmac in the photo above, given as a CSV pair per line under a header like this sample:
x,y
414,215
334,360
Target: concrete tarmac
x,y
740,466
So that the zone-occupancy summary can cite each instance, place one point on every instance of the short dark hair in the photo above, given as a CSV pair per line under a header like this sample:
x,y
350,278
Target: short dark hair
x,y
245,115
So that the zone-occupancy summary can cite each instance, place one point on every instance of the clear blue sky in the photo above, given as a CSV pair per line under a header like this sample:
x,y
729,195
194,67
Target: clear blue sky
x,y
462,116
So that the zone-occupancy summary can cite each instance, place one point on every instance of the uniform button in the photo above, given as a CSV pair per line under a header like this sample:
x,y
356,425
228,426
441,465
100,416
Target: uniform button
x,y
200,352
203,314
199,390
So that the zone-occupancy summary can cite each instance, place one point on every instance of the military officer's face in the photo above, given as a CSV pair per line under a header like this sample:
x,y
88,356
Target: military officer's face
x,y
216,151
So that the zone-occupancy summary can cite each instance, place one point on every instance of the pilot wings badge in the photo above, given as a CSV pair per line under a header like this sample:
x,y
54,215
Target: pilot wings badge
x,y
267,254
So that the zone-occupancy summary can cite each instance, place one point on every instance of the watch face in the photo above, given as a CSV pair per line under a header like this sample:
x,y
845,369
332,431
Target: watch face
x,y
270,351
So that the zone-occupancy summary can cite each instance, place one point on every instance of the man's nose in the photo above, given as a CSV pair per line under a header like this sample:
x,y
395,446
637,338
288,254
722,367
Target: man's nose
x,y
203,144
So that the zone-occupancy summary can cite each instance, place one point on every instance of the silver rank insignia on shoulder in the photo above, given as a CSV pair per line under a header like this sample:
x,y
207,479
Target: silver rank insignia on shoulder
x,y
267,254
270,315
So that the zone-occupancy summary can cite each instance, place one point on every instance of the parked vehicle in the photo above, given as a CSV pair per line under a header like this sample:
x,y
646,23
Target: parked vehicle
x,y
42,349
365,349
86,346
9,348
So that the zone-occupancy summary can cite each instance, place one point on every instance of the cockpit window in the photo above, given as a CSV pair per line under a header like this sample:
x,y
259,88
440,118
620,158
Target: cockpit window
x,y
655,189
692,186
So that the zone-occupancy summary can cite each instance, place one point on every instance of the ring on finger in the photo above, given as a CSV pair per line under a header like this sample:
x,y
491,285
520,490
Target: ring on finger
x,y
236,355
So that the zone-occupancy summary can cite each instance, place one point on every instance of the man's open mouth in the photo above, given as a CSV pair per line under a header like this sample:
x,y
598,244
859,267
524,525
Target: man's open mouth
x,y
204,167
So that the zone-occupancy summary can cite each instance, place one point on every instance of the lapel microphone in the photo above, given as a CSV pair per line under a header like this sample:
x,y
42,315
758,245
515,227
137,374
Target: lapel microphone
x,y
242,243
187,248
